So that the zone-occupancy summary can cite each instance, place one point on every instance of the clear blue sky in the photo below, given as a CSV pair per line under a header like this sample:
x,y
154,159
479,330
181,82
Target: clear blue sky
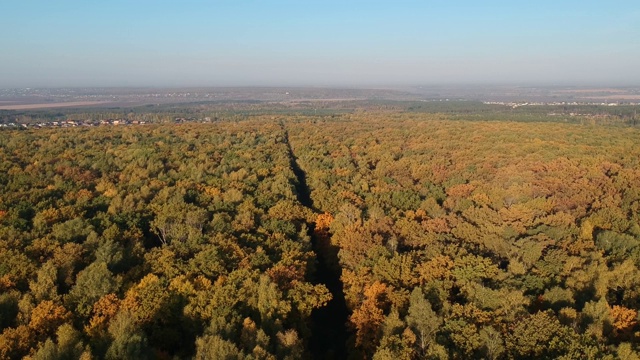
x,y
318,43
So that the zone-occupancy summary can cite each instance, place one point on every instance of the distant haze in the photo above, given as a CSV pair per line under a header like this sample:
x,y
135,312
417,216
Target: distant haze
x,y
318,43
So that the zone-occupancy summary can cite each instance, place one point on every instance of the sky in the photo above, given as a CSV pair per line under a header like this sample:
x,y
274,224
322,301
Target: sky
x,y
68,43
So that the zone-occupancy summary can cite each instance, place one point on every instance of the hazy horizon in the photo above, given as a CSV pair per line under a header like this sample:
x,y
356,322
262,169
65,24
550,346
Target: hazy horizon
x,y
319,44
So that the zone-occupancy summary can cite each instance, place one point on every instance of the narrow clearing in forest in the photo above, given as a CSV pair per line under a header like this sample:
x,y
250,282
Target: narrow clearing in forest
x,y
328,329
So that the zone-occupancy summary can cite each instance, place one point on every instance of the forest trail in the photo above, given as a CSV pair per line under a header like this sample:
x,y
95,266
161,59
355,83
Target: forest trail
x,y
329,333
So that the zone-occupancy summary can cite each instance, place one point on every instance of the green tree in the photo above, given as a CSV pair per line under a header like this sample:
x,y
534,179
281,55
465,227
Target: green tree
x,y
128,341
539,336
93,282
422,320
69,346
45,287
213,347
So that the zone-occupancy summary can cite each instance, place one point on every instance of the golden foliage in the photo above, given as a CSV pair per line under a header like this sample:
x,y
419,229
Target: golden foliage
x,y
145,299
6,283
460,191
47,316
323,222
437,225
438,268
103,311
624,319
15,342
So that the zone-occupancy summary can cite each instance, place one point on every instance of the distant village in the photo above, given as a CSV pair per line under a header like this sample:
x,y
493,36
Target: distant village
x,y
91,123
559,103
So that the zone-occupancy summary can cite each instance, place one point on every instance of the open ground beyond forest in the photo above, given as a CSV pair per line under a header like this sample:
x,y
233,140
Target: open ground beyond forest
x,y
385,232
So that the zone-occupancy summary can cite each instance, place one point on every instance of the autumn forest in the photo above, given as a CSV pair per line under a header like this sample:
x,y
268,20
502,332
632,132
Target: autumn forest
x,y
382,234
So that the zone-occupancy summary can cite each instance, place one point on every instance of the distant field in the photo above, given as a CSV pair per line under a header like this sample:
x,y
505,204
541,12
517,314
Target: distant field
x,y
615,97
50,105
593,90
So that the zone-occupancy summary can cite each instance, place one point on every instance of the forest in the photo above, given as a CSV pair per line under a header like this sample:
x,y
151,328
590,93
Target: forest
x,y
377,233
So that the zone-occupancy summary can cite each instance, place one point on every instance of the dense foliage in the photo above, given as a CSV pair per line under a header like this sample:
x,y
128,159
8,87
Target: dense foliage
x,y
452,239
153,241
479,239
